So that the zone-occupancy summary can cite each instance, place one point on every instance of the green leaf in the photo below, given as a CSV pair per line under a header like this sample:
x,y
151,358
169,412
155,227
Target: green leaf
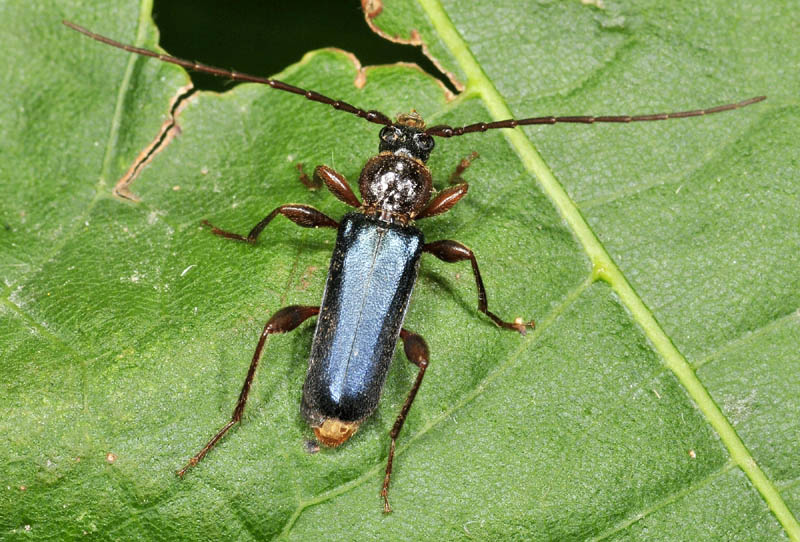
x,y
657,399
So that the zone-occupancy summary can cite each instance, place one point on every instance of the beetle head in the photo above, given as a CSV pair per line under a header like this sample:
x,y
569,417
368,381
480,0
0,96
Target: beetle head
x,y
407,137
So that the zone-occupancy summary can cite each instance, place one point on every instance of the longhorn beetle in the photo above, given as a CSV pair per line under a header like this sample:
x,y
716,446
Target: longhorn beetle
x,y
374,264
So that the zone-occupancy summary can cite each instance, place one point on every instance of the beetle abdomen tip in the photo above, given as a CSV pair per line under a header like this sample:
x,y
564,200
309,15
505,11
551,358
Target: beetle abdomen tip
x,y
334,431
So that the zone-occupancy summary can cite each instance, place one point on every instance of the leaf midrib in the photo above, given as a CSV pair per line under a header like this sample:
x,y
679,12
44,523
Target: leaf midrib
x,y
604,268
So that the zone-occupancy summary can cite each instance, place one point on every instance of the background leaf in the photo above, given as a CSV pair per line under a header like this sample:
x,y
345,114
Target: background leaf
x,y
127,329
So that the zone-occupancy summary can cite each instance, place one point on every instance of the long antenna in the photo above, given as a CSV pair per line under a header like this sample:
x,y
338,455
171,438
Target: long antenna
x,y
372,116
444,130
377,117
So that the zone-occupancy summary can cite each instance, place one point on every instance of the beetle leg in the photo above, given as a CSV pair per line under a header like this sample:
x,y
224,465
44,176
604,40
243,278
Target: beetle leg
x,y
417,353
455,177
337,184
314,183
302,215
453,251
282,321
444,201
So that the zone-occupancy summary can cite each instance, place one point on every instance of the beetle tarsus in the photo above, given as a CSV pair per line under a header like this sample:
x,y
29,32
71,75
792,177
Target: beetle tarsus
x,y
386,508
312,183
226,234
455,177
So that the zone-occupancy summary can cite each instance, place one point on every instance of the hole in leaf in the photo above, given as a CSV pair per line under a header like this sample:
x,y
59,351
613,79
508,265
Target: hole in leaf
x,y
261,38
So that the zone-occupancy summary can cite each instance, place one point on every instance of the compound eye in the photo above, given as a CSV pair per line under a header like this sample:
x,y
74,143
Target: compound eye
x,y
425,142
390,134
